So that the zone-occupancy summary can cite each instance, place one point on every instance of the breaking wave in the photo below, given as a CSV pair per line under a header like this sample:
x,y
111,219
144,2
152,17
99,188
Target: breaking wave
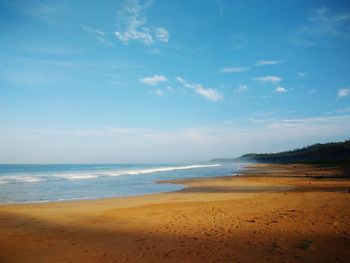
x,y
93,175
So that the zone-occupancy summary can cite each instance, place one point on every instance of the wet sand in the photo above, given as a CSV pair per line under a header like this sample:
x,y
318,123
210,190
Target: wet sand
x,y
274,213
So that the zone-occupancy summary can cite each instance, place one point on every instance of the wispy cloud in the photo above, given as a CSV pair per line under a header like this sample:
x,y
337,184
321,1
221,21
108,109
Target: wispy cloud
x,y
50,12
133,24
163,91
269,79
305,123
259,63
29,78
321,24
234,69
93,30
325,23
267,62
309,121
153,80
242,88
162,34
99,34
280,89
208,93
343,93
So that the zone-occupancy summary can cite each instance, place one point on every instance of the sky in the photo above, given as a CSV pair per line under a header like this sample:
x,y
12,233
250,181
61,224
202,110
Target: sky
x,y
170,80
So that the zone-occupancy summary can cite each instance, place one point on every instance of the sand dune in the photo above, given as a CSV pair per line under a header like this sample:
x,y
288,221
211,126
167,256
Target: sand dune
x,y
274,213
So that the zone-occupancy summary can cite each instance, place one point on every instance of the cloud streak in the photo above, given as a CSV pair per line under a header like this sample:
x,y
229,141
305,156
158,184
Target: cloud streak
x,y
280,89
269,79
208,93
267,62
99,34
234,69
153,80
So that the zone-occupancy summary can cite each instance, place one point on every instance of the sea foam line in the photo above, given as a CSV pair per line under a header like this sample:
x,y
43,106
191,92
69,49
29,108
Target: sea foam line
x,y
89,175
79,176
161,169
20,179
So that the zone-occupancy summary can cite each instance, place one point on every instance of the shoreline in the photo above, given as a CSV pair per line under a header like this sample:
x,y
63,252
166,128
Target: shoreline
x,y
183,167
267,215
187,185
165,181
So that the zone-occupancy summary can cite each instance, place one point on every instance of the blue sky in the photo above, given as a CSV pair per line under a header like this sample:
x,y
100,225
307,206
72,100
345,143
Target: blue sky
x,y
170,81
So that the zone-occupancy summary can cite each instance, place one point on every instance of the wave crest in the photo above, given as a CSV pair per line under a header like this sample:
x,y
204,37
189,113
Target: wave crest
x,y
94,175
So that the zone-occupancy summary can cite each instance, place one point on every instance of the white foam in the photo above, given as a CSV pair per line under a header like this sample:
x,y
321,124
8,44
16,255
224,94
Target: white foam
x,y
20,179
89,175
165,169
77,176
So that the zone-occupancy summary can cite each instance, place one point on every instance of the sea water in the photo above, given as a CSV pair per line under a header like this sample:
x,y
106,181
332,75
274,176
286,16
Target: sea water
x,y
23,183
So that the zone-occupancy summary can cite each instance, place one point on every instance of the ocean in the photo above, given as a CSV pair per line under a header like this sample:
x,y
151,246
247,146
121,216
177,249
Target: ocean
x,y
29,183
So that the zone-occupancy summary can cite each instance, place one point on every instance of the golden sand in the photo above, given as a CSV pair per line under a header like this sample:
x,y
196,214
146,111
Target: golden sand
x,y
274,213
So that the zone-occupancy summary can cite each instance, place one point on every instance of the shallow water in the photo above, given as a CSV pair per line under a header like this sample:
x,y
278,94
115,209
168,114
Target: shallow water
x,y
41,183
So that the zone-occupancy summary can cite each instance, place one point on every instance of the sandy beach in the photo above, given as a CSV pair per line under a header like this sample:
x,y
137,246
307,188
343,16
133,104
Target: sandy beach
x,y
272,213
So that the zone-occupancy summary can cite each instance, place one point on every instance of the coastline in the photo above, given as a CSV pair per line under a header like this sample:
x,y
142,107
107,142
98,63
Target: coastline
x,y
182,182
125,181
267,215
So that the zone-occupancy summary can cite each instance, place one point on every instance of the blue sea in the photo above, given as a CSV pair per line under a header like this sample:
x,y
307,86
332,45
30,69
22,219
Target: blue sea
x,y
27,183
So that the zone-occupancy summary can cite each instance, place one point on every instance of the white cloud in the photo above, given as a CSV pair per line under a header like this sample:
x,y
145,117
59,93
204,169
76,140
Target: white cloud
x,y
280,90
162,34
234,69
242,88
267,62
153,80
269,79
302,74
134,25
343,93
208,93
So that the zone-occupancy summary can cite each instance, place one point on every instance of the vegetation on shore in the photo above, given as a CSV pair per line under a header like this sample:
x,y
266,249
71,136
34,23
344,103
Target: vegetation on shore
x,y
336,153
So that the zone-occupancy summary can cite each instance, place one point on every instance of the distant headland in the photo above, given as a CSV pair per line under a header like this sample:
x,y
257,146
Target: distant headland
x,y
327,153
